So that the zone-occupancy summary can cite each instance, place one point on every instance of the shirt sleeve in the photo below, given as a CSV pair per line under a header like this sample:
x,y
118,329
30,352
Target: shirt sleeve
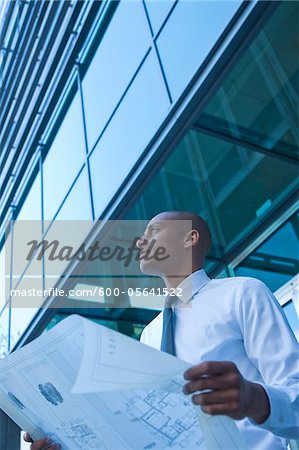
x,y
272,347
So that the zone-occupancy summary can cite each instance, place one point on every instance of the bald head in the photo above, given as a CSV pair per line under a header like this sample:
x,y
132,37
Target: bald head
x,y
203,243
185,245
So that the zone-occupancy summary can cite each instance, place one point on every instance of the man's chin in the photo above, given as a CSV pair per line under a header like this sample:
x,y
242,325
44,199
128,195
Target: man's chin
x,y
148,268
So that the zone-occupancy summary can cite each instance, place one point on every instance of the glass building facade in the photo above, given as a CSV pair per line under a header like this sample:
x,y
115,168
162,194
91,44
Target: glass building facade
x,y
121,110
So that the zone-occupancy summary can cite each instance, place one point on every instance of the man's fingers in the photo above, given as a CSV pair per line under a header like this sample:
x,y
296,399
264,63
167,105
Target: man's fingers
x,y
210,368
229,396
223,410
213,383
226,403
42,444
27,437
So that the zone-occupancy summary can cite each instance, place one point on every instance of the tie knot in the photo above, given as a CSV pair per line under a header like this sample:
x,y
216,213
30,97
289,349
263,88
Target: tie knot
x,y
169,301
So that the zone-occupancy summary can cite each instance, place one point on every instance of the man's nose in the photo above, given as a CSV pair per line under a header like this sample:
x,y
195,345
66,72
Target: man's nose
x,y
141,242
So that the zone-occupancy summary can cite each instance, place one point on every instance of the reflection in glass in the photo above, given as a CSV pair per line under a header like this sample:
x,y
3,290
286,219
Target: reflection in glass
x,y
134,124
127,321
64,160
284,242
211,172
258,102
273,280
227,185
275,261
189,35
124,45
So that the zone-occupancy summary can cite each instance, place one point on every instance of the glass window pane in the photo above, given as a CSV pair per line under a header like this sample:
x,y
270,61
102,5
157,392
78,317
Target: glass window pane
x,y
188,37
134,124
20,319
4,274
128,321
121,51
276,261
64,160
25,304
273,280
292,316
283,243
157,11
4,329
2,278
230,186
77,205
215,175
238,180
24,231
31,209
62,237
258,101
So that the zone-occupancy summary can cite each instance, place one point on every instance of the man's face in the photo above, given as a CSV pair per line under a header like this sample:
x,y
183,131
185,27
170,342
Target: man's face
x,y
162,247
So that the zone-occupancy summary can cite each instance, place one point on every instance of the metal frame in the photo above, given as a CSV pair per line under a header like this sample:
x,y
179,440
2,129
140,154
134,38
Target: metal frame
x,y
215,127
54,86
196,96
289,292
280,265
204,84
244,28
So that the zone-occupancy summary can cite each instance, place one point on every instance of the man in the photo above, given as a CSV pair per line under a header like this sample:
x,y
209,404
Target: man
x,y
232,330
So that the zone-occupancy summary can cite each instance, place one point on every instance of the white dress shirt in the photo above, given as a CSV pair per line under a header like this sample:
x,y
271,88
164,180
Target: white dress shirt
x,y
238,319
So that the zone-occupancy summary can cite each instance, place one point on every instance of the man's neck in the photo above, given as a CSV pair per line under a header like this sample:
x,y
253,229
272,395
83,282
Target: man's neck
x,y
172,282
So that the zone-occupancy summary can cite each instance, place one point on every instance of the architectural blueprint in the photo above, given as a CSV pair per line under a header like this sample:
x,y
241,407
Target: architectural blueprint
x,y
89,387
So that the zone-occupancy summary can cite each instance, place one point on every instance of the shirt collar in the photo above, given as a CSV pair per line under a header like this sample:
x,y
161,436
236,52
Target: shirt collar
x,y
191,285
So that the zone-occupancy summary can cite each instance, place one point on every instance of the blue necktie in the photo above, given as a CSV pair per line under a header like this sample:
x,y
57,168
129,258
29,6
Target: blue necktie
x,y
167,342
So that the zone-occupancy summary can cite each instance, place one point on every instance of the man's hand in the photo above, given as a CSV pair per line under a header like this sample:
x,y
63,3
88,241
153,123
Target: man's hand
x,y
228,393
41,444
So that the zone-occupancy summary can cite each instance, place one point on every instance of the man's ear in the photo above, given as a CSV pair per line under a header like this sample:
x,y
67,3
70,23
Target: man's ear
x,y
191,238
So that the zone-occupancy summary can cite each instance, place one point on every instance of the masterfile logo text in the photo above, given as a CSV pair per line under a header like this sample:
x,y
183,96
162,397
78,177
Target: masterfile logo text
x,y
101,263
